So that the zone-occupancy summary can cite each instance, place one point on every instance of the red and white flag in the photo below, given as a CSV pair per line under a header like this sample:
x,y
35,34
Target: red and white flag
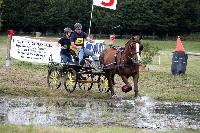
x,y
111,4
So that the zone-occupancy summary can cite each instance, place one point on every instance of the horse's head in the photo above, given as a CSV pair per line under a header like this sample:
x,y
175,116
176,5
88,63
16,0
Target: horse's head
x,y
133,49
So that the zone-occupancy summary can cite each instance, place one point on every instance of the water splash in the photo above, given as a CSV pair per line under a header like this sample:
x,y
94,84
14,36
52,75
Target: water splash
x,y
143,112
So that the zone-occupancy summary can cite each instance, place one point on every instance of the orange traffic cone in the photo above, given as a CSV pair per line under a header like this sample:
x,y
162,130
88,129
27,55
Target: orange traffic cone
x,y
179,45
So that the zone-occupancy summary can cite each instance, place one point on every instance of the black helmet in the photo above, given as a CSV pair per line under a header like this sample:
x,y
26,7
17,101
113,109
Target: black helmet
x,y
66,30
77,25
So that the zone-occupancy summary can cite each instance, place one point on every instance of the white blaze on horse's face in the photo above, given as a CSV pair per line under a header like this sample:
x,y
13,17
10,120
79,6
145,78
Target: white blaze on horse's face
x,y
137,51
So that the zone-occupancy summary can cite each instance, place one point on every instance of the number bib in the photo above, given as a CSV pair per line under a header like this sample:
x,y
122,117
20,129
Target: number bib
x,y
65,46
79,41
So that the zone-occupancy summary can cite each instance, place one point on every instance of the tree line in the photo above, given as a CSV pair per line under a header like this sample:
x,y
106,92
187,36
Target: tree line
x,y
149,17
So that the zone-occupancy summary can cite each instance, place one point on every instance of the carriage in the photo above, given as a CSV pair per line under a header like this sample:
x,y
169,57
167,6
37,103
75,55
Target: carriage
x,y
82,76
115,60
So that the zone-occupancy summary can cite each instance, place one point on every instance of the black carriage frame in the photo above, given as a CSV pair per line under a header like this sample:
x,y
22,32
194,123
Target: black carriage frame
x,y
74,76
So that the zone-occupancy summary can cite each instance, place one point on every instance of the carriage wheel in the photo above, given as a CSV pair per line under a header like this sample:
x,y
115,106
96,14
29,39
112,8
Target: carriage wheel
x,y
54,78
102,83
85,81
70,80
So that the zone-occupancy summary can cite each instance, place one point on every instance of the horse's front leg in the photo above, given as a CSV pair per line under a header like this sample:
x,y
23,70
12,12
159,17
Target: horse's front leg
x,y
127,87
135,80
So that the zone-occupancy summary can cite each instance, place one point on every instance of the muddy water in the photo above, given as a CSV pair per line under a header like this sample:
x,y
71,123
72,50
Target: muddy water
x,y
143,112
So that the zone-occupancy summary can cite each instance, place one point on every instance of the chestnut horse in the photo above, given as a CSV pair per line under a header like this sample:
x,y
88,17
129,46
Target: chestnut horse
x,y
124,62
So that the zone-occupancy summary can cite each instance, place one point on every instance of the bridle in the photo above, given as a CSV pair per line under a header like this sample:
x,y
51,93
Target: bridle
x,y
131,56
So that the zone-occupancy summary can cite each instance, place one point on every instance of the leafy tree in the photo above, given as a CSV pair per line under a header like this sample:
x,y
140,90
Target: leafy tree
x,y
148,53
1,1
159,17
13,14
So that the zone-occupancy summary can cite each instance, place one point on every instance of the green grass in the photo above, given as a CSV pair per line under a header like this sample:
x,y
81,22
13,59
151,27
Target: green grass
x,y
167,45
30,79
164,86
53,129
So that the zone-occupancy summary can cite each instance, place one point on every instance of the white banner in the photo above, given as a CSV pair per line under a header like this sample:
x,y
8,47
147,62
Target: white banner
x,y
111,4
32,50
36,51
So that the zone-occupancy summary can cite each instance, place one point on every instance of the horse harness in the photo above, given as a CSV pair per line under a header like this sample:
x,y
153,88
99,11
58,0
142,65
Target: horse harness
x,y
121,65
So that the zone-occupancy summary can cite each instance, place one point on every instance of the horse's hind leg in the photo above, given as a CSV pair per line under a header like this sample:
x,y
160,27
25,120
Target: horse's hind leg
x,y
113,81
112,77
110,84
135,80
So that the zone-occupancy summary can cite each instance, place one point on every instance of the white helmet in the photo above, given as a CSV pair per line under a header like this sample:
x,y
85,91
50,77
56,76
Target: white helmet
x,y
67,30
77,25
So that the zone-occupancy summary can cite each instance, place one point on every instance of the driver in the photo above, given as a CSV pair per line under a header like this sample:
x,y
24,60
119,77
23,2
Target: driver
x,y
77,42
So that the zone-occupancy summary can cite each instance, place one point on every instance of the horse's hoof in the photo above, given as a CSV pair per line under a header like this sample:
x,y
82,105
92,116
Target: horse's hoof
x,y
126,89
129,89
123,89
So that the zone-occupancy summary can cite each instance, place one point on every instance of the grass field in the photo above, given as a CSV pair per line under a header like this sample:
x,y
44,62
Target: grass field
x,y
27,79
30,79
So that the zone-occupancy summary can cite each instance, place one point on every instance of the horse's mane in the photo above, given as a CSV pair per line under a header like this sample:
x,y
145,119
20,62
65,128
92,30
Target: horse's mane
x,y
135,39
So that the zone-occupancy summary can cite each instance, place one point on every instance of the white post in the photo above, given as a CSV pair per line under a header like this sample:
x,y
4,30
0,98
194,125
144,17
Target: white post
x,y
8,59
159,58
91,19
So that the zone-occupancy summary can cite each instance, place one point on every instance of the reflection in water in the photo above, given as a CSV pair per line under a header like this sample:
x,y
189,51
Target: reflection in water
x,y
143,112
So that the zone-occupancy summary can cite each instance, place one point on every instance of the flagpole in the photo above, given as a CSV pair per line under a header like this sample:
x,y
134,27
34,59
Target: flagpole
x,y
91,18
